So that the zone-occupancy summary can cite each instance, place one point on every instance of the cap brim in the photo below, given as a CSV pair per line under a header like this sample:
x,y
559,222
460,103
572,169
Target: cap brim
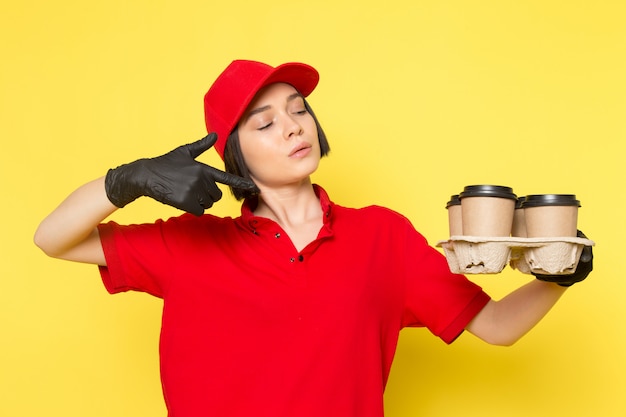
x,y
302,77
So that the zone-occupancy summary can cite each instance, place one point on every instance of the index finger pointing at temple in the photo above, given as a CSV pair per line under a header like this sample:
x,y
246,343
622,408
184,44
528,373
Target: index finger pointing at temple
x,y
232,180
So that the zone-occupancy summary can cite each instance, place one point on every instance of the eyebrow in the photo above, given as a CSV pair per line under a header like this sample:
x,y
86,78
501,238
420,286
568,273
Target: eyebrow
x,y
264,108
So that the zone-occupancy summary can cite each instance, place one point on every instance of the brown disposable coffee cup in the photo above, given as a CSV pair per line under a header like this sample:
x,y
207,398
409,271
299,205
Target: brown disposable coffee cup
x,y
519,220
487,210
551,215
455,217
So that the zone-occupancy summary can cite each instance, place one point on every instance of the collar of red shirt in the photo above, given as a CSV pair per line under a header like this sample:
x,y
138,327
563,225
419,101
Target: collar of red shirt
x,y
254,222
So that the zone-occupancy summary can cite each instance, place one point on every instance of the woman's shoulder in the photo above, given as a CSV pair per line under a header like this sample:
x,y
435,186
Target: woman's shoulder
x,y
372,213
192,221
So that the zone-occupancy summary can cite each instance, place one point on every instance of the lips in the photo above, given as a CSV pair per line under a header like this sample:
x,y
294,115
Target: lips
x,y
300,149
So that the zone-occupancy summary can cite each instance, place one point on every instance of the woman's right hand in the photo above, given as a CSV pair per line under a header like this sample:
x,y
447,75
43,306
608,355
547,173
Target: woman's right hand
x,y
175,179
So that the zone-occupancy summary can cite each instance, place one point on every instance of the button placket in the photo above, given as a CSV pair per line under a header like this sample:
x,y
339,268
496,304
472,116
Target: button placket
x,y
253,225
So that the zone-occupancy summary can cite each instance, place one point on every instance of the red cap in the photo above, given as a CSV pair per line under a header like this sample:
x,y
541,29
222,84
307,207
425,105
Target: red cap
x,y
236,86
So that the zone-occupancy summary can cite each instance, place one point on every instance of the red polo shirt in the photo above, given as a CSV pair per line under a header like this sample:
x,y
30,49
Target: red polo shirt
x,y
252,327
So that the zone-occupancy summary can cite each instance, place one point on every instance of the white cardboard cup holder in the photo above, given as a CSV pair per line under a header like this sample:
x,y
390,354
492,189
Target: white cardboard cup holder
x,y
489,255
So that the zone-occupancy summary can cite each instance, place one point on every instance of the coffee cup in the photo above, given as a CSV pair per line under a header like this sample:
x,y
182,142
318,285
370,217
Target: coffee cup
x,y
487,210
551,215
455,216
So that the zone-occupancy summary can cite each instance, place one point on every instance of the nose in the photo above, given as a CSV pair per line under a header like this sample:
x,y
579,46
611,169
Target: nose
x,y
292,127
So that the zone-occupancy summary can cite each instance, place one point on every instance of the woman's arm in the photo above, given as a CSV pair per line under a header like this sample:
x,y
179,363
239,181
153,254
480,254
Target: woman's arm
x,y
176,178
505,321
69,232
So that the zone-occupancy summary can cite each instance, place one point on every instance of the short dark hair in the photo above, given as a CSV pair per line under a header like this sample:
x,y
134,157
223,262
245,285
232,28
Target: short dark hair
x,y
235,164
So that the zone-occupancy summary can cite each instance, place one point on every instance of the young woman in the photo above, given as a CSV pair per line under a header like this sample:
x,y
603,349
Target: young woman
x,y
293,308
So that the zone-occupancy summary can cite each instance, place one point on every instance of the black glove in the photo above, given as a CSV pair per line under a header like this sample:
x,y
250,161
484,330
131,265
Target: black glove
x,y
175,179
585,266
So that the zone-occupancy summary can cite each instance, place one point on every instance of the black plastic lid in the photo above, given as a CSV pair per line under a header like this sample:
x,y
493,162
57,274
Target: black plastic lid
x,y
454,201
488,191
540,200
520,202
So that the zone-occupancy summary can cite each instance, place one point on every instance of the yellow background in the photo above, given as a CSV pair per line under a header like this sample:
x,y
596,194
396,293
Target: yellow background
x,y
419,98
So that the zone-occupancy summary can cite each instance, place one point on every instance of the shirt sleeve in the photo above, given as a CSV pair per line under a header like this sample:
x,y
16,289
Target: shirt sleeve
x,y
435,297
137,258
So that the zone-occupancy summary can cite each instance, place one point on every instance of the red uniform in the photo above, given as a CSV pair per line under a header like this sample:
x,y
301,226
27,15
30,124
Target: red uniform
x,y
252,327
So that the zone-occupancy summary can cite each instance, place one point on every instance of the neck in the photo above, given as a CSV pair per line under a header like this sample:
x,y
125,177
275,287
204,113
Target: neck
x,y
290,207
